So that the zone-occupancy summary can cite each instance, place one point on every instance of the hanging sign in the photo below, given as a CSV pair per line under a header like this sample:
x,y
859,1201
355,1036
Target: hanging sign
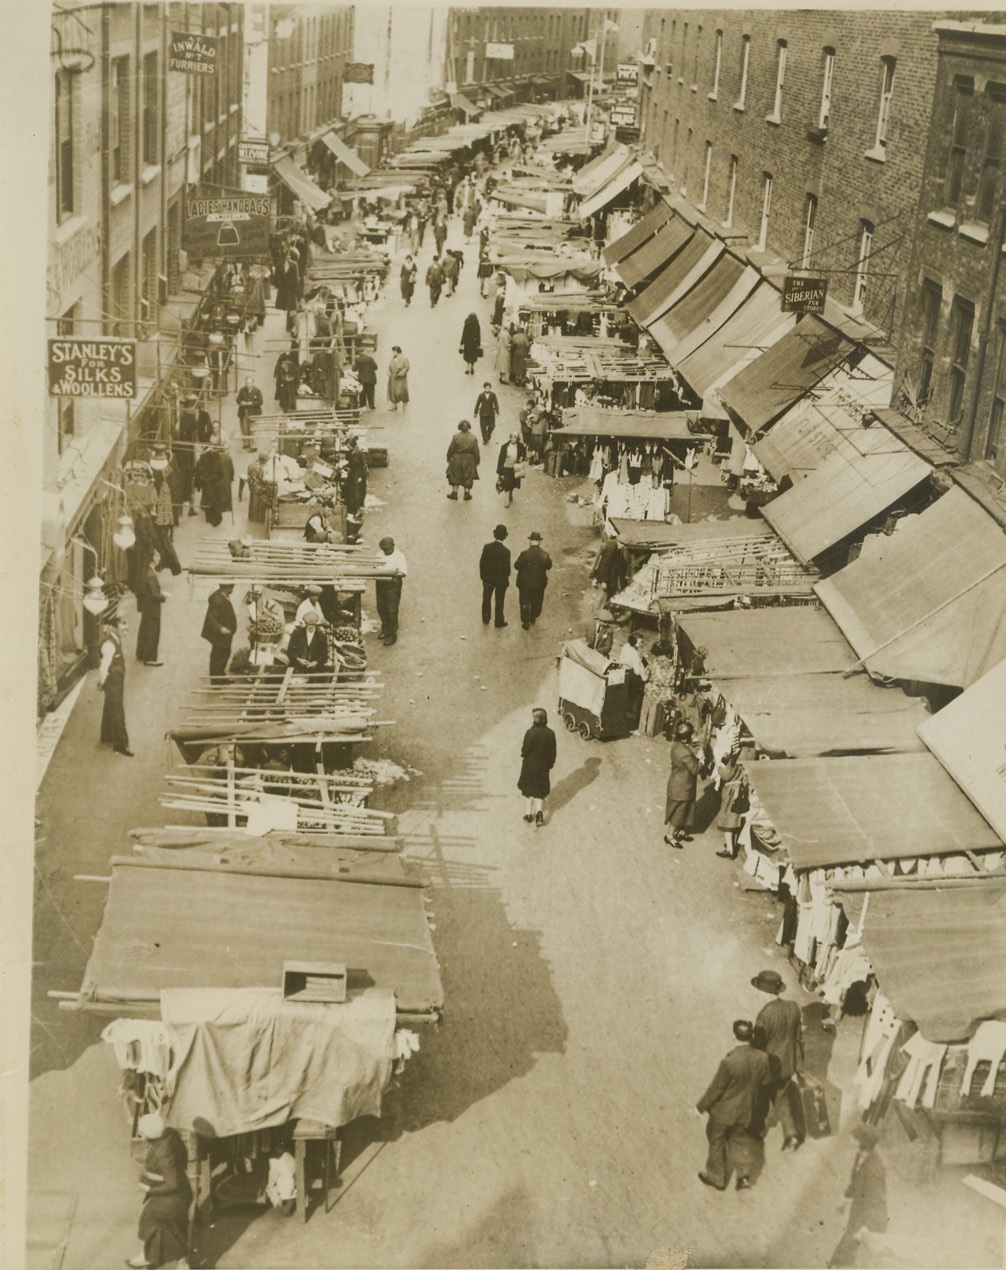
x,y
500,52
623,115
92,367
234,225
358,73
253,152
193,54
628,73
804,295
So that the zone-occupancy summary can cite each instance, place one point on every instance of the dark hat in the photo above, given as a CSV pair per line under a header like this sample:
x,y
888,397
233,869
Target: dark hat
x,y
768,981
534,536
387,545
867,1135
500,532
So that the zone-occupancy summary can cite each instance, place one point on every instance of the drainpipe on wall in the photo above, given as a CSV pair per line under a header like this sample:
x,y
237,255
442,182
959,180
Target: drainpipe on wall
x,y
996,240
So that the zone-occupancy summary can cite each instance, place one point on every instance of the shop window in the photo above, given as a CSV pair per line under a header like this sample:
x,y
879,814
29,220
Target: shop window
x,y
931,300
780,80
962,323
766,211
886,94
997,415
151,88
827,75
728,220
863,265
960,128
706,175
118,119
745,63
717,64
809,221
64,145
988,181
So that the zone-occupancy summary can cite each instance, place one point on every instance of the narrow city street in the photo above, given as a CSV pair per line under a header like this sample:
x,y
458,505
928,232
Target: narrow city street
x,y
591,973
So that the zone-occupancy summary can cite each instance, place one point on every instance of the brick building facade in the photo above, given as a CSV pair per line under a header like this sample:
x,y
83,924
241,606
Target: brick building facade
x,y
542,42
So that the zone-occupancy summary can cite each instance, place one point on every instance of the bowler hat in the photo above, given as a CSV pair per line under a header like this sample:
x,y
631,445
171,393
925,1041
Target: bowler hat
x,y
768,981
534,536
500,532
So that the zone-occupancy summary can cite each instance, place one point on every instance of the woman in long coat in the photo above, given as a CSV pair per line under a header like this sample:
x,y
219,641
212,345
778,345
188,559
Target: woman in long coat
x,y
398,378
520,346
512,452
682,785
463,460
164,1218
503,356
537,753
471,343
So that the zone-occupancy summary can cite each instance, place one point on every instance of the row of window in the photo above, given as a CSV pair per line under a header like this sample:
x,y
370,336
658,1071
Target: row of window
x,y
983,114
534,26
306,108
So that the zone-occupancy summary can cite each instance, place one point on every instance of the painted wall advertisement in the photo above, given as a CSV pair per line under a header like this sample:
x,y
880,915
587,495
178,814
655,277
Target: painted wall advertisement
x,y
233,225
193,54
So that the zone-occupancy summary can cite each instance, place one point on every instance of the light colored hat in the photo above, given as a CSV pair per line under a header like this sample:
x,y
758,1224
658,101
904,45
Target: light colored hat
x,y
310,618
151,1126
313,589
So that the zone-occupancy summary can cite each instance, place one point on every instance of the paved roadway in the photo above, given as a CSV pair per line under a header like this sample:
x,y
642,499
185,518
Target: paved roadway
x,y
591,973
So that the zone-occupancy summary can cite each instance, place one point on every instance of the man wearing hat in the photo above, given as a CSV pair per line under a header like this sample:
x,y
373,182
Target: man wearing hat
x,y
389,590
532,566
733,1103
310,604
779,1032
494,570
307,651
682,785
249,403
219,626
867,1190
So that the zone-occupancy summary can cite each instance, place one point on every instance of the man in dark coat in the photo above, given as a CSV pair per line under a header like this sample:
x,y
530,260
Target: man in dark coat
x,y
408,280
434,280
307,651
219,626
682,783
867,1190
249,403
733,1103
494,570
366,372
112,682
532,566
537,752
463,458
487,407
779,1032
149,598
354,489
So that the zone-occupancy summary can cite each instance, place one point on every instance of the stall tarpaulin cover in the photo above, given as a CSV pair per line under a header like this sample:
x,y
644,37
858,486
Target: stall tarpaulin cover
x,y
247,1059
583,675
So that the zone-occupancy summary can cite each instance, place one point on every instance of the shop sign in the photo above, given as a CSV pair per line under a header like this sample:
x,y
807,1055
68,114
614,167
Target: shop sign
x,y
597,132
253,152
358,73
623,116
229,226
628,136
92,367
804,295
193,54
628,73
500,52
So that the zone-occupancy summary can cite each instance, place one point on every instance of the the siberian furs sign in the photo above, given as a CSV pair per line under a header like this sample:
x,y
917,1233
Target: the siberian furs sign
x,y
82,367
194,54
804,295
229,225
358,73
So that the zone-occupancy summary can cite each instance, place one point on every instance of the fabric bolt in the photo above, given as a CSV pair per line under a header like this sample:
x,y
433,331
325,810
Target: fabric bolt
x,y
922,1075
988,1045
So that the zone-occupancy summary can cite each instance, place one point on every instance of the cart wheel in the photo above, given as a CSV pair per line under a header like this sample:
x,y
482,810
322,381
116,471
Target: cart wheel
x,y
584,729
569,721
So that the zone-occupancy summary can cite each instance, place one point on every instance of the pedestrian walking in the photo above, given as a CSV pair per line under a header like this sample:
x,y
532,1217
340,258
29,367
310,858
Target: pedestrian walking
x,y
485,269
164,1217
440,233
149,598
219,626
249,403
471,342
734,803
499,304
354,485
681,786
487,407
494,570
532,566
510,466
471,217
213,476
520,347
435,281
463,458
389,590
422,219
867,1191
112,682
408,279
287,377
503,346
779,1032
537,754
365,370
398,378
452,270
733,1103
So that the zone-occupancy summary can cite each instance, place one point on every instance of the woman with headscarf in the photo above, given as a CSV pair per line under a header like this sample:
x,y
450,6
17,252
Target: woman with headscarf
x,y
503,355
512,453
398,378
471,343
520,346
164,1218
463,459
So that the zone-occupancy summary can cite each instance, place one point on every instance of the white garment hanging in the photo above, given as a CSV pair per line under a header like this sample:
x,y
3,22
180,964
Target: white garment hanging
x,y
922,1075
988,1045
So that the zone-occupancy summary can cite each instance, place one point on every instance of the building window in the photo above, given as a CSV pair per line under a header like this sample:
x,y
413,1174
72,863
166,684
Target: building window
x,y
148,276
766,211
65,327
674,144
863,265
932,298
705,176
695,57
886,93
959,139
962,321
121,309
64,145
151,87
728,220
780,79
118,119
685,164
745,61
827,76
993,442
988,181
809,221
717,63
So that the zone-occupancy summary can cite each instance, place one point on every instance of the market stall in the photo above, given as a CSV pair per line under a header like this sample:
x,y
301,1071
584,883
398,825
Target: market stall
x,y
604,370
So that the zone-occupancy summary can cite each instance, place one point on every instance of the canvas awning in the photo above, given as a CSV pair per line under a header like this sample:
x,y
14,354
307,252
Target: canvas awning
x,y
300,184
461,102
828,420
691,263
788,640
587,421
862,808
711,318
969,738
658,533
610,190
760,393
656,254
164,927
940,956
640,233
346,155
498,91
802,715
845,492
742,337
927,602
696,303
594,176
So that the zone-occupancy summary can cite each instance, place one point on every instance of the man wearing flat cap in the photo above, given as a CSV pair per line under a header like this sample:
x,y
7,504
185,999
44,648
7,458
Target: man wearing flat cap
x,y
389,589
779,1032
532,566
494,570
733,1103
310,604
307,651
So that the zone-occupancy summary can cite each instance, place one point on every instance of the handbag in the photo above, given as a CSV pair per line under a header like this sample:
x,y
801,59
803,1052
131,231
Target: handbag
x,y
499,484
740,802
478,351
520,469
